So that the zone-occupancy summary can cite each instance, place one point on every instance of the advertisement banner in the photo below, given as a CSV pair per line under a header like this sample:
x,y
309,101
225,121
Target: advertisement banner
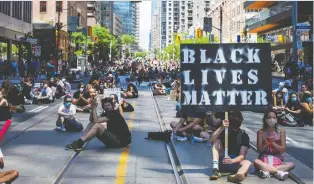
x,y
225,77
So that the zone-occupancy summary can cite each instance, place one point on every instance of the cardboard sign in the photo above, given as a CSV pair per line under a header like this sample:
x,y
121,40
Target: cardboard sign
x,y
225,77
110,91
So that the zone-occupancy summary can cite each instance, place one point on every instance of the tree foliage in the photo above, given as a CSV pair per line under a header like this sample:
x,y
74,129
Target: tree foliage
x,y
141,54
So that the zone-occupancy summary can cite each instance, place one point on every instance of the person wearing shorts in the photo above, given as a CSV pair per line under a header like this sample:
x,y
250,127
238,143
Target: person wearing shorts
x,y
110,128
238,145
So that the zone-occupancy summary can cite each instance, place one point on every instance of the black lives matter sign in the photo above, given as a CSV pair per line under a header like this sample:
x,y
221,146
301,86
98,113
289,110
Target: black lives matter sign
x,y
225,77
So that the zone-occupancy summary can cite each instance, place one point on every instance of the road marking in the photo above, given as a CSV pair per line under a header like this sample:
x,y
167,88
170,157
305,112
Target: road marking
x,y
123,162
38,109
288,139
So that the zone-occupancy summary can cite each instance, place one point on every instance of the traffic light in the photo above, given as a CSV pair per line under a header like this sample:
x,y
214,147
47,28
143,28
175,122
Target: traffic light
x,y
89,31
199,33
96,39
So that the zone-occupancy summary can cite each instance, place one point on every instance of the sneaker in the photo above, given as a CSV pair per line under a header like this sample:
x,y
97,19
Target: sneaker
x,y
281,175
179,138
75,145
236,178
59,128
63,129
216,174
263,174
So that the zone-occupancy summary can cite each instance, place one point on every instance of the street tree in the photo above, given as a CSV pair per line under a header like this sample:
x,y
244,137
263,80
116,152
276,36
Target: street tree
x,y
127,41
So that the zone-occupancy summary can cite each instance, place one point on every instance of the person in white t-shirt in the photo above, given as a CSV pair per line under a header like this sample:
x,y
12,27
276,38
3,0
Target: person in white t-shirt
x,y
45,96
66,111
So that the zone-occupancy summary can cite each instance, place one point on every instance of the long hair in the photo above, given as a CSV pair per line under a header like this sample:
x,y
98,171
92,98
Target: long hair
x,y
115,97
265,125
106,100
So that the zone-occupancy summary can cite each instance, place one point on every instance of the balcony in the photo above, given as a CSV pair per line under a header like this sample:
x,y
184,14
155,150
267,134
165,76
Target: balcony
x,y
90,6
253,5
271,17
190,14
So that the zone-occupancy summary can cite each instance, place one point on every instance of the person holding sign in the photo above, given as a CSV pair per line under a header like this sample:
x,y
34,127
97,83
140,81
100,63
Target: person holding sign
x,y
239,143
271,144
131,90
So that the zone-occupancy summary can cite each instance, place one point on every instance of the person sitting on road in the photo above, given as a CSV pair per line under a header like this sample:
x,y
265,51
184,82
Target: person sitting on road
x,y
5,113
110,81
81,98
15,97
159,88
294,108
116,134
188,125
131,91
280,96
303,90
92,91
67,86
116,103
271,144
307,108
214,122
7,176
239,143
66,112
45,96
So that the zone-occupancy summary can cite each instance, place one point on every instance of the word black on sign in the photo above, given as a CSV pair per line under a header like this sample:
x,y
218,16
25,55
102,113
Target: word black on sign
x,y
225,77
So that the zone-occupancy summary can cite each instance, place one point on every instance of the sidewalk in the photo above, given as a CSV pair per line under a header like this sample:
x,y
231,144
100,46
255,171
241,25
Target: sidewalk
x,y
196,158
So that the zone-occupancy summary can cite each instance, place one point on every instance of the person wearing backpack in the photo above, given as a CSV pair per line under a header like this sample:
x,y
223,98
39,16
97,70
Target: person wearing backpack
x,y
239,143
66,113
116,134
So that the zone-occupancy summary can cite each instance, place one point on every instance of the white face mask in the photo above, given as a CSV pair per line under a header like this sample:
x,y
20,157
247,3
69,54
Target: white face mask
x,y
81,89
271,122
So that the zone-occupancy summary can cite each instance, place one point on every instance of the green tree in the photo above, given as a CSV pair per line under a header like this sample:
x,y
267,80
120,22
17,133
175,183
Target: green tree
x,y
141,54
128,40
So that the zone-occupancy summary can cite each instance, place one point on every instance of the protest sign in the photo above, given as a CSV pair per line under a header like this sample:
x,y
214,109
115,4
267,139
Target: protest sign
x,y
225,77
110,91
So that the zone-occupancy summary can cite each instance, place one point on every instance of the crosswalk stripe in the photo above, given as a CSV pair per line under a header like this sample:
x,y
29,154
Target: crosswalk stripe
x,y
41,109
38,109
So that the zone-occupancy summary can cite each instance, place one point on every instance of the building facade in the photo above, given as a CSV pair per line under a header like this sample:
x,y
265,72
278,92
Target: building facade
x,y
117,25
273,24
199,12
155,33
15,22
107,15
93,13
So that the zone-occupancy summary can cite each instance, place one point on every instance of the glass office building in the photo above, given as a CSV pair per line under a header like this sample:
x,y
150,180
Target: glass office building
x,y
126,12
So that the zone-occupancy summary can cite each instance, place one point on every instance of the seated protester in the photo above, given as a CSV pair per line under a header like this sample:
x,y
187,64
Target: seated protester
x,y
81,98
15,97
294,108
213,123
92,91
189,125
159,88
53,88
116,103
307,108
303,90
66,112
271,144
67,86
45,96
101,87
7,176
131,91
5,113
116,135
27,87
60,89
239,144
280,96
110,81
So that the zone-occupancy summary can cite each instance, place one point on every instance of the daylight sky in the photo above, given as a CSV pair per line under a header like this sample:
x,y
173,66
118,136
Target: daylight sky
x,y
145,23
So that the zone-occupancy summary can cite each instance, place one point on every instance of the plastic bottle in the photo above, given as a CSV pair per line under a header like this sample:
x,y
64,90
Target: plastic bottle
x,y
192,140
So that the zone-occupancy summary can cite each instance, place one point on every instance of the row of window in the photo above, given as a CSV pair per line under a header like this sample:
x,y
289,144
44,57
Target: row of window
x,y
43,6
21,10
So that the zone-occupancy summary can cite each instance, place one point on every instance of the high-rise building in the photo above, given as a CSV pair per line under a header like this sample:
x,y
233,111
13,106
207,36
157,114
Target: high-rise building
x,y
15,22
93,13
155,25
199,12
107,15
117,25
129,14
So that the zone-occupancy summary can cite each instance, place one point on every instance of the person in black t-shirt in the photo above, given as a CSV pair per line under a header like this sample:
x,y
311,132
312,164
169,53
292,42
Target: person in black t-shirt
x,y
116,134
238,145
294,107
81,98
131,90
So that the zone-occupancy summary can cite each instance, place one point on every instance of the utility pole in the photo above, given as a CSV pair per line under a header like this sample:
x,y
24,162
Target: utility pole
x,y
220,24
294,25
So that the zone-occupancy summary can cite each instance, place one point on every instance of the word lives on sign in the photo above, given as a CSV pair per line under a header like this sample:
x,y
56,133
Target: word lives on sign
x,y
225,77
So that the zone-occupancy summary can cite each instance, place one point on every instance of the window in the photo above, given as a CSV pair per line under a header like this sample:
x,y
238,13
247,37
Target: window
x,y
59,6
169,18
233,12
238,9
43,6
238,25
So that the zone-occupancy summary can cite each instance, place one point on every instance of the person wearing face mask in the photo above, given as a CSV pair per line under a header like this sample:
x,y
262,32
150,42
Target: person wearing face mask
x,y
271,144
66,112
115,135
239,143
81,98
45,96
307,108
294,108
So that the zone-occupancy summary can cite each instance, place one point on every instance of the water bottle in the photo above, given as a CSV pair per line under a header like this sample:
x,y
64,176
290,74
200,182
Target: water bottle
x,y
192,140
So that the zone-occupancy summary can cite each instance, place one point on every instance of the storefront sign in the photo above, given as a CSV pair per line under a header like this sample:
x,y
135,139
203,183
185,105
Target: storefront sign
x,y
224,77
303,26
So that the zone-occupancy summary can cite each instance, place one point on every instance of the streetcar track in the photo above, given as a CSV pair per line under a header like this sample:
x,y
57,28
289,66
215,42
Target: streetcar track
x,y
174,160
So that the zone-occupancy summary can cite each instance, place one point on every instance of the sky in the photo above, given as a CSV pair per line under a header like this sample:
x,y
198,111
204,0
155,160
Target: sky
x,y
145,23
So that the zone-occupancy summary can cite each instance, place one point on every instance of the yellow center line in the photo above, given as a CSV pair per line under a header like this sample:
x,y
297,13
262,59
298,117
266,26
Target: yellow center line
x,y
123,162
